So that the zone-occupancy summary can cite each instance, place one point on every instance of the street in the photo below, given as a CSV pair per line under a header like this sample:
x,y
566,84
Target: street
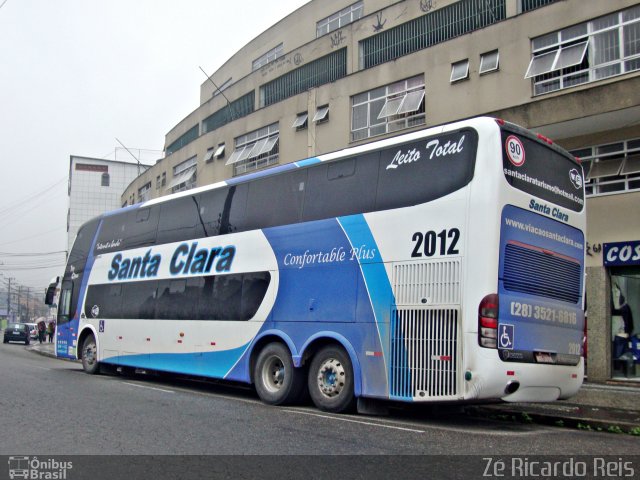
x,y
51,406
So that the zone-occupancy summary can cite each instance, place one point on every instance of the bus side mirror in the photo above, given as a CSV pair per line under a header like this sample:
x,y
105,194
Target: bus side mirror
x,y
51,292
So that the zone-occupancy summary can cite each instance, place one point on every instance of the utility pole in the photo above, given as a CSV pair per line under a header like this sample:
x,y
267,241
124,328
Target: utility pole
x,y
9,301
28,304
19,303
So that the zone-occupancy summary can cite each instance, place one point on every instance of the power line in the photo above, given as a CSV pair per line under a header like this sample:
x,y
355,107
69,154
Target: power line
x,y
32,236
38,254
22,201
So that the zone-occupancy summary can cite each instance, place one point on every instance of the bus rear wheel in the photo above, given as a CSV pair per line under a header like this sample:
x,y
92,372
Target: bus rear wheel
x,y
331,380
90,356
276,379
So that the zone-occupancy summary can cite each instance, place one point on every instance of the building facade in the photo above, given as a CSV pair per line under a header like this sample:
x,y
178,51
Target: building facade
x,y
95,187
341,73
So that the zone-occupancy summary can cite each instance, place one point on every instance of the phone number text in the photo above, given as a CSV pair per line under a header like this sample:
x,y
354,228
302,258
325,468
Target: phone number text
x,y
557,315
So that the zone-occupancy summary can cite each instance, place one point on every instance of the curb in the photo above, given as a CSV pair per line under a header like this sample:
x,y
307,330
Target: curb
x,y
45,353
581,417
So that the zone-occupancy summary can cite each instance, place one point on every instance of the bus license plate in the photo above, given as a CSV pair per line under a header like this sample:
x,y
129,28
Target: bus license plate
x,y
543,357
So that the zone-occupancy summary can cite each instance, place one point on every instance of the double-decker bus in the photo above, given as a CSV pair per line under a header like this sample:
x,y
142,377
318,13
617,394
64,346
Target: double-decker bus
x,y
441,265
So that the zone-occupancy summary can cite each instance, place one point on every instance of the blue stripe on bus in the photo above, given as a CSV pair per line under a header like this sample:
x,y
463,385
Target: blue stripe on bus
x,y
207,364
307,162
375,276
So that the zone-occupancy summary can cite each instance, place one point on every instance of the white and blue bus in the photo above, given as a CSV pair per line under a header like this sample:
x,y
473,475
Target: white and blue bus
x,y
440,265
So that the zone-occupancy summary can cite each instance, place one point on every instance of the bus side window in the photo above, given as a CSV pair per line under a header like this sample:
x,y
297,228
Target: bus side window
x,y
139,299
180,220
276,200
224,210
104,301
342,188
407,178
254,288
140,227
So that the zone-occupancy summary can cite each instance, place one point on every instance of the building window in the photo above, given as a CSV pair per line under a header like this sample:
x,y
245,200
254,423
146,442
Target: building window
x,y
489,62
301,121
268,57
255,150
459,71
339,19
158,182
221,88
183,140
105,180
318,72
527,5
322,114
144,192
184,175
438,26
590,51
239,108
613,167
387,109
164,179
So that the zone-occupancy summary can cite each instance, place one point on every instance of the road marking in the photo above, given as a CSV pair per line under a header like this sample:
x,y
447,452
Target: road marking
x,y
342,419
37,366
150,388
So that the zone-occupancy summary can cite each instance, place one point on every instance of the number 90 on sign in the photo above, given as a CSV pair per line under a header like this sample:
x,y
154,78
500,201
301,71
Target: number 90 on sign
x,y
515,150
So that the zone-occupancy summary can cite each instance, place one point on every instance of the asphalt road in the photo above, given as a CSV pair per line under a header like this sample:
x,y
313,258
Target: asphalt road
x,y
51,406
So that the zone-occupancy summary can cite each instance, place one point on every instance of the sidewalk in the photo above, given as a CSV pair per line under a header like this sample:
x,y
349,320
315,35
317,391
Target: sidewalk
x,y
613,407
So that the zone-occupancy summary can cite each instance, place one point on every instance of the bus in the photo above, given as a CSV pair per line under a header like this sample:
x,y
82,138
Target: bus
x,y
441,265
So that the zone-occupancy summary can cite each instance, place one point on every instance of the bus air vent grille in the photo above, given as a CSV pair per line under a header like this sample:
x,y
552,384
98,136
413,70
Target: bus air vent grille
x,y
425,354
528,270
434,282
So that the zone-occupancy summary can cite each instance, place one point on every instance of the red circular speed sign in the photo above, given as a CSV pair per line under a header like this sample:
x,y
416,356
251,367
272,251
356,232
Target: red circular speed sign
x,y
515,150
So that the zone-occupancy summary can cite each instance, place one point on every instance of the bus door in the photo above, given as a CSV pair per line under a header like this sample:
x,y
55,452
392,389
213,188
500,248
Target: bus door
x,y
64,342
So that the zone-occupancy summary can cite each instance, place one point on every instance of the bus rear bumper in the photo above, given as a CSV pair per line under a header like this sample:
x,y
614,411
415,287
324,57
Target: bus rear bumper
x,y
492,378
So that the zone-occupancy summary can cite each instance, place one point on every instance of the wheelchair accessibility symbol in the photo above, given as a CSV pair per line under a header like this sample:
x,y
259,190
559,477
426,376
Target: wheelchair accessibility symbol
x,y
506,336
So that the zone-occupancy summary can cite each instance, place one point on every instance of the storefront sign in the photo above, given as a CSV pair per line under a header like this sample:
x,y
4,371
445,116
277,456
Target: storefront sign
x,y
621,254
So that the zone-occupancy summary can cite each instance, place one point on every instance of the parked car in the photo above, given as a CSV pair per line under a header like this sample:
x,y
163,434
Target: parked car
x,y
33,331
17,332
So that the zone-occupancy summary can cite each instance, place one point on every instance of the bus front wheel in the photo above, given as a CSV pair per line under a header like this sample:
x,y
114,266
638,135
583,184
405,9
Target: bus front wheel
x,y
90,356
276,379
331,380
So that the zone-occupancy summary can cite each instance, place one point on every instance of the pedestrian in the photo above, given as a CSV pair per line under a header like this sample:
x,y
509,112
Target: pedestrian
x,y
51,329
41,331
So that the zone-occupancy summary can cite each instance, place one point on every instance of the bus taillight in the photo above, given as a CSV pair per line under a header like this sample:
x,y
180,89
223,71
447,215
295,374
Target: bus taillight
x,y
488,321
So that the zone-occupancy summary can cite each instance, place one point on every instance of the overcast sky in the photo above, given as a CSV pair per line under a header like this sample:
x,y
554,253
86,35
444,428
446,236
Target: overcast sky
x,y
77,74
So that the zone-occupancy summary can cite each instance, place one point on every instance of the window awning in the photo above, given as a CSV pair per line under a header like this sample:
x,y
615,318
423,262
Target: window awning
x,y
631,165
209,155
235,155
220,151
557,60
182,177
605,168
321,113
409,102
253,150
300,120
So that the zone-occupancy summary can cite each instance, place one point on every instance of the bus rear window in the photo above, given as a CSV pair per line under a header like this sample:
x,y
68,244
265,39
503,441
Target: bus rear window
x,y
540,170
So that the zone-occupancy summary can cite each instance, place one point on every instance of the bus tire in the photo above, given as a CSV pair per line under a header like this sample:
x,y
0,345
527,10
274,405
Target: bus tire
x,y
330,380
90,362
276,379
